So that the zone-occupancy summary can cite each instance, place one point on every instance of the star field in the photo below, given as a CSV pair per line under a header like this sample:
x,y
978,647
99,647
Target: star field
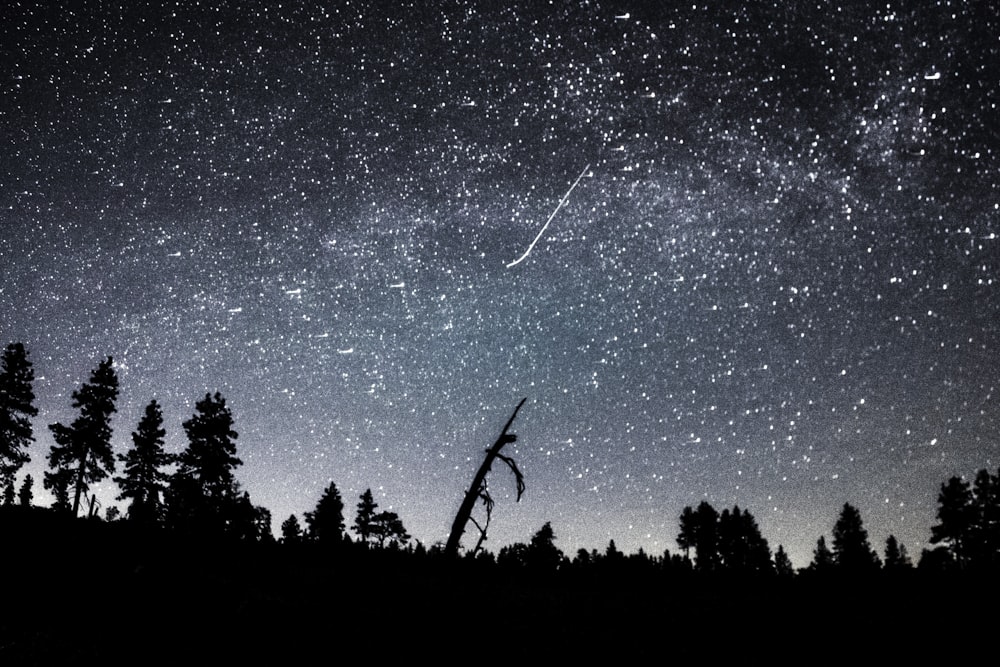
x,y
775,286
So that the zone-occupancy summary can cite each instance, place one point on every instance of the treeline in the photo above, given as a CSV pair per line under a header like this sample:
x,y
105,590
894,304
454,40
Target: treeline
x,y
195,494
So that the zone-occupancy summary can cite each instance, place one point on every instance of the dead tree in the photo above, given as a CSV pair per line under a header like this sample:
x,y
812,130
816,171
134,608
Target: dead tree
x,y
479,490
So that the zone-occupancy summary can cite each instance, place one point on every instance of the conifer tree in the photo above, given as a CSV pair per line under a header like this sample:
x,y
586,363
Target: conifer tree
x,y
851,549
741,546
25,495
16,408
542,553
326,522
291,531
985,548
82,454
365,519
823,560
203,492
262,520
706,537
144,481
896,558
8,493
783,564
957,516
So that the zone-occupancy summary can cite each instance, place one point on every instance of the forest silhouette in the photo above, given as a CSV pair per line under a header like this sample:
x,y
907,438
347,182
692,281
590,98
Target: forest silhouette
x,y
191,568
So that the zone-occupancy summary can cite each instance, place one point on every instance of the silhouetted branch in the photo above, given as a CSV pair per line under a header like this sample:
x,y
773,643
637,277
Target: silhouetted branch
x,y
478,489
517,473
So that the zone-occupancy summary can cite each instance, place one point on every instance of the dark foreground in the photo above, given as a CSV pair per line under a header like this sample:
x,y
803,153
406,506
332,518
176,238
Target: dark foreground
x,y
79,592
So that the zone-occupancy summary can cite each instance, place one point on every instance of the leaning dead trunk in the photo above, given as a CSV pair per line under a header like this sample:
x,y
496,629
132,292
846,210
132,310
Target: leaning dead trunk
x,y
479,490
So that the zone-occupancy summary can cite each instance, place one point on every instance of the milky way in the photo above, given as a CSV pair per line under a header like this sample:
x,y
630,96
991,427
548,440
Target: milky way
x,y
775,286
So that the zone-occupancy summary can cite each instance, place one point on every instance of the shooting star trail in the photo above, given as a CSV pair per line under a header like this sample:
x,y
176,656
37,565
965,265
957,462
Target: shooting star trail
x,y
546,225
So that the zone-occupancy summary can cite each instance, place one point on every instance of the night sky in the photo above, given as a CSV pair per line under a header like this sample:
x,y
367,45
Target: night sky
x,y
777,283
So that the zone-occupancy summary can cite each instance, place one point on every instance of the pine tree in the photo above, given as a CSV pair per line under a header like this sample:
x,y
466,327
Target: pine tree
x,y
326,522
144,481
244,521
741,546
262,520
82,454
203,491
823,560
291,531
706,537
896,558
25,494
985,547
957,517
365,519
851,550
16,408
387,527
8,493
58,482
783,564
542,554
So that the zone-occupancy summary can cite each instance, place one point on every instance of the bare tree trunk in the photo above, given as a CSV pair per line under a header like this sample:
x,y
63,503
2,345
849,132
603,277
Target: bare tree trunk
x,y
478,488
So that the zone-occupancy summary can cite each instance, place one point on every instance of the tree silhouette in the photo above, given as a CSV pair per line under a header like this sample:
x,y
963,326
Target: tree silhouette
x,y
203,490
985,538
326,522
58,482
957,516
699,528
513,555
82,454
262,522
896,559
8,493
387,527
16,408
144,481
741,546
25,495
969,520
851,550
480,491
542,553
687,537
783,564
823,560
244,521
730,541
365,518
291,531
612,555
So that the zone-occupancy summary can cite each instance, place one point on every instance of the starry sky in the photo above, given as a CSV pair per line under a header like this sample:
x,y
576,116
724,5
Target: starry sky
x,y
775,283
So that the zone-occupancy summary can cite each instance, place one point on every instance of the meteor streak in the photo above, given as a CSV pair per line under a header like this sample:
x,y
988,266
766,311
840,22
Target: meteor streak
x,y
546,225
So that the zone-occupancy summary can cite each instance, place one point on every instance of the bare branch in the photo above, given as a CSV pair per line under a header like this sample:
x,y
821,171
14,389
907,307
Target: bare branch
x,y
479,490
517,473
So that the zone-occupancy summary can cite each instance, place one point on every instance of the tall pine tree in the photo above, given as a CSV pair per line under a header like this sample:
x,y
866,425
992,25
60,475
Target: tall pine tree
x,y
82,454
364,522
957,517
203,492
326,522
144,480
16,408
851,549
